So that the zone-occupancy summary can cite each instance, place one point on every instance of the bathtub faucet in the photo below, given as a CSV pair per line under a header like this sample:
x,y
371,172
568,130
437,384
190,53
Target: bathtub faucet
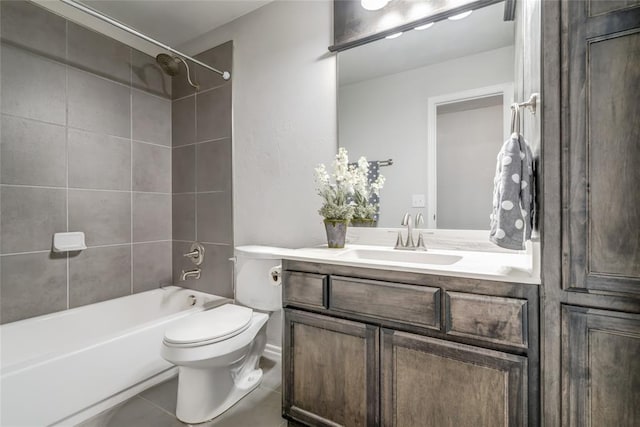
x,y
195,273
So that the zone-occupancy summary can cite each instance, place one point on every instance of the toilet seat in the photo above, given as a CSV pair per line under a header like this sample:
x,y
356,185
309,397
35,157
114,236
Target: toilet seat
x,y
208,327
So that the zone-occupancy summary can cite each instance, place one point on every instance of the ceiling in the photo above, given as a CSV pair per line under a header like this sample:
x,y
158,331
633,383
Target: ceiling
x,y
175,22
485,29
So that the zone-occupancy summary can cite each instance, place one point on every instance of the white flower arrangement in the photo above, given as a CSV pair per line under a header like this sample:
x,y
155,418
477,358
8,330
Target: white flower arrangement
x,y
348,196
336,206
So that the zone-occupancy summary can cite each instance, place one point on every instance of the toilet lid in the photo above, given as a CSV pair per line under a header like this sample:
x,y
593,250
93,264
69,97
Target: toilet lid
x,y
215,324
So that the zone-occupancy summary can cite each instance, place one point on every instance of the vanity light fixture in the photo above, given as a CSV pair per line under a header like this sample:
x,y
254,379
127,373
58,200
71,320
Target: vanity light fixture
x,y
460,15
424,27
373,4
394,35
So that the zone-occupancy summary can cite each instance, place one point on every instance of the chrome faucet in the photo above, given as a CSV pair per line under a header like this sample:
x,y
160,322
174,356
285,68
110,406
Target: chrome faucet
x,y
195,273
410,245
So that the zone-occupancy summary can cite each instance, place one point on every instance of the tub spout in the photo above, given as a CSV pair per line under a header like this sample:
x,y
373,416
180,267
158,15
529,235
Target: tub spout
x,y
195,273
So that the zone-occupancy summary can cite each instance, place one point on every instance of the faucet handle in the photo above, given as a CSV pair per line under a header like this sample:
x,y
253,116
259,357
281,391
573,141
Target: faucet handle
x,y
196,253
406,219
419,219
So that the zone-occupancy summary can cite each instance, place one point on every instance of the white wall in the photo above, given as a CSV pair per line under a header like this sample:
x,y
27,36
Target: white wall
x,y
284,115
386,118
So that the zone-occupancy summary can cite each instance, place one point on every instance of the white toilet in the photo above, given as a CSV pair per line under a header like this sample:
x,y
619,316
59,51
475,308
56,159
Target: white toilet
x,y
218,350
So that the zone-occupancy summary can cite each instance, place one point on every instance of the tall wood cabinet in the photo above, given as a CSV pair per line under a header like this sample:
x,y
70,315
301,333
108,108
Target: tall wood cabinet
x,y
602,139
591,213
600,367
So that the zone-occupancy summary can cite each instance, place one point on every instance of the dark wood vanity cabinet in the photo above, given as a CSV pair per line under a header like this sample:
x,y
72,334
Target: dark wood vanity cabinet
x,y
432,382
331,376
381,348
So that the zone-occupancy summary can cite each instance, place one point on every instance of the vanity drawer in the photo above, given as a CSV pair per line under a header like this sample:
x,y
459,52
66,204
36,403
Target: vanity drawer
x,y
397,302
489,318
304,289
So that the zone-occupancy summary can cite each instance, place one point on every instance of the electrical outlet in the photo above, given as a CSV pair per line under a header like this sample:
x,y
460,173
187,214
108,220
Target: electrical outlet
x,y
418,201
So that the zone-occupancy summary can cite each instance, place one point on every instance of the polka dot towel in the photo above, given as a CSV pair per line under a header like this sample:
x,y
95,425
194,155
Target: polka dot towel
x,y
513,187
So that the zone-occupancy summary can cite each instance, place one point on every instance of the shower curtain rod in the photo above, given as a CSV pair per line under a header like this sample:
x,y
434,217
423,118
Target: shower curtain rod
x,y
90,11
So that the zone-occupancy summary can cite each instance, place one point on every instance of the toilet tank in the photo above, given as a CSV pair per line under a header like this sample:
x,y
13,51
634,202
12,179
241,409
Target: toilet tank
x,y
254,285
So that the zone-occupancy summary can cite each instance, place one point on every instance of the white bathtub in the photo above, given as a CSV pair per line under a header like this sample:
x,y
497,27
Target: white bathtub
x,y
65,367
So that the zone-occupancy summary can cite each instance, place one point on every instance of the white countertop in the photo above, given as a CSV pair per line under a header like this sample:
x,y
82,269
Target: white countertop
x,y
498,266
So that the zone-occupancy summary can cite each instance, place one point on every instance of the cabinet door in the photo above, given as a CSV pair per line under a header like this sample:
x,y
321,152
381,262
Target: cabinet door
x,y
331,370
602,134
431,382
601,367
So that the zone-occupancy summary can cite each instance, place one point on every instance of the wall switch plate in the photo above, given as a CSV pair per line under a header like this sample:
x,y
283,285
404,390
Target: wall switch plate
x,y
418,201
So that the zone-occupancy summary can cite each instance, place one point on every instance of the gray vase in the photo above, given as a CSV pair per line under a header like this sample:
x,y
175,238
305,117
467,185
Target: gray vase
x,y
336,232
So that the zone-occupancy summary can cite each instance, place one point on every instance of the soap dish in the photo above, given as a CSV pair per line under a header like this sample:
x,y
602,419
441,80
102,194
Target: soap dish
x,y
68,242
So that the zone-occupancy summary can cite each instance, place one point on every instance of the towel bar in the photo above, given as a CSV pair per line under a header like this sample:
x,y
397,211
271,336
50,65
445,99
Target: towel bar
x,y
531,104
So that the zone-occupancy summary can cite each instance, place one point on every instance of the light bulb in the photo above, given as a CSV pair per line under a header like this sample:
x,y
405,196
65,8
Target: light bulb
x,y
424,27
394,36
373,4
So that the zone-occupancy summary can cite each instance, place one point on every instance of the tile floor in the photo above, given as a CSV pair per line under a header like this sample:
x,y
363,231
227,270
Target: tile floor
x,y
156,407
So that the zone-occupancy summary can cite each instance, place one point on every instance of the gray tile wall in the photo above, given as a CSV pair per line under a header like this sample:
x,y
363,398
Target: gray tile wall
x,y
202,173
85,145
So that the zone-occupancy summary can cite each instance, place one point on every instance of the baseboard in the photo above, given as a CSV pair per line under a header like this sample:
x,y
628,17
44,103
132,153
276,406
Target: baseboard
x,y
273,351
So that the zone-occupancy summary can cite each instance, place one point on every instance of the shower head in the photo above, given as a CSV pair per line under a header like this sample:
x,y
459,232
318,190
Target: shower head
x,y
171,66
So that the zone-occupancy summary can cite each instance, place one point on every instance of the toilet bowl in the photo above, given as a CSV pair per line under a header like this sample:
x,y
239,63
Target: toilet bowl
x,y
218,351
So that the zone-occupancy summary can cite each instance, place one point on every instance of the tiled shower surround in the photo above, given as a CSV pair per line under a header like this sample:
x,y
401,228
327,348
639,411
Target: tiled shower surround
x,y
86,145
201,156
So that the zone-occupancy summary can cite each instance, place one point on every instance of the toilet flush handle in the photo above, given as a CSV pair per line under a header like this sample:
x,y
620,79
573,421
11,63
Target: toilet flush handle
x,y
276,275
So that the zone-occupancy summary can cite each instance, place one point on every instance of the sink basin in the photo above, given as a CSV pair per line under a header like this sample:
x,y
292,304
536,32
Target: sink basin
x,y
400,256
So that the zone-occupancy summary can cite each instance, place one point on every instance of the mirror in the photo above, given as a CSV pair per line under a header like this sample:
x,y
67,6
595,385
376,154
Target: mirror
x,y
435,101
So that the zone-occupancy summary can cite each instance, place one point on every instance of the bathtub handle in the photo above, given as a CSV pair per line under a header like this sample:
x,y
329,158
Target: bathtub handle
x,y
196,253
192,300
